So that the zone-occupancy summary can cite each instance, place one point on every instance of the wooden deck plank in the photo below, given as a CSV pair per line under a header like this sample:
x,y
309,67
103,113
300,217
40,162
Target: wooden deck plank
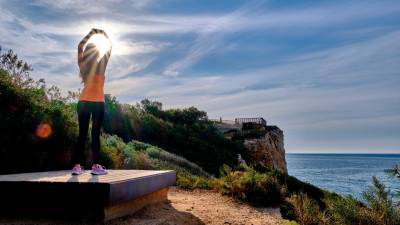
x,y
65,176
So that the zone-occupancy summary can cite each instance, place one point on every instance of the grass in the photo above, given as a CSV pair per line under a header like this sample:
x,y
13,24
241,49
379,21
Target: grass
x,y
114,153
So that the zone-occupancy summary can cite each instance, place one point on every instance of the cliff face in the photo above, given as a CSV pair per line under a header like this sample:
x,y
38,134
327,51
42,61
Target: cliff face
x,y
268,150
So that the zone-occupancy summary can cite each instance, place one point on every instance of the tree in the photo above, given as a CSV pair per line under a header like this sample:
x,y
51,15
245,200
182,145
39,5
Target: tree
x,y
16,68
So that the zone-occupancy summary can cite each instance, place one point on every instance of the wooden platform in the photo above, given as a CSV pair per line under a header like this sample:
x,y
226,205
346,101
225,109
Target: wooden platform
x,y
62,195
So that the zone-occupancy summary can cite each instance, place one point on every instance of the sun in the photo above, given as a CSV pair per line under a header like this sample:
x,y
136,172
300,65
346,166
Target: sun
x,y
102,44
115,32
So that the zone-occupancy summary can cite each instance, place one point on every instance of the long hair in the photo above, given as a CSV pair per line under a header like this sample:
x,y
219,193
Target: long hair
x,y
90,64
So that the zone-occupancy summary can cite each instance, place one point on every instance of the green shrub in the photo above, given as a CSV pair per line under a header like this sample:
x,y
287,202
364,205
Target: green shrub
x,y
380,205
188,181
141,161
111,148
38,128
344,210
138,155
249,185
378,208
292,185
291,222
162,155
307,211
184,132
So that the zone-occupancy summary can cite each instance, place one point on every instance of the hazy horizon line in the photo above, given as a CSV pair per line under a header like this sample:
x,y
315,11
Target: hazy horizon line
x,y
346,153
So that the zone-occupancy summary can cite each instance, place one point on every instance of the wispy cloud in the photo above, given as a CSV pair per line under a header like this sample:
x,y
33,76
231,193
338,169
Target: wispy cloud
x,y
212,35
90,6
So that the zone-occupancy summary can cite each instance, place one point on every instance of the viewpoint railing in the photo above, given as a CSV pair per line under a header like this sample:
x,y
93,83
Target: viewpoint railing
x,y
257,120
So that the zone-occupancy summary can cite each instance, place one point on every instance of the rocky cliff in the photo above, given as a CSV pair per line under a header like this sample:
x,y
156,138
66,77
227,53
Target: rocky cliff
x,y
267,150
264,144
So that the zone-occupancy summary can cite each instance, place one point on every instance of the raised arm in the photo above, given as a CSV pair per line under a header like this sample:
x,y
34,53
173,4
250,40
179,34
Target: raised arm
x,y
107,55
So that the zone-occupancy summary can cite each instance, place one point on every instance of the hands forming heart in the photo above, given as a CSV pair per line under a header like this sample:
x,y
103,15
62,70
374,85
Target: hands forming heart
x,y
103,47
98,31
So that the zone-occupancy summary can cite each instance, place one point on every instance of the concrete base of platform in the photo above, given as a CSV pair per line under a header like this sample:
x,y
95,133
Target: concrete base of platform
x,y
136,204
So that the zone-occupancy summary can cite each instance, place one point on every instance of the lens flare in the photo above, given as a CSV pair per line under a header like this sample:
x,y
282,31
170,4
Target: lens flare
x,y
102,44
43,130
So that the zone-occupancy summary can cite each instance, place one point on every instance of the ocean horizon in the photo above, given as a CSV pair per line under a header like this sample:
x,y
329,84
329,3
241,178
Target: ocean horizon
x,y
343,173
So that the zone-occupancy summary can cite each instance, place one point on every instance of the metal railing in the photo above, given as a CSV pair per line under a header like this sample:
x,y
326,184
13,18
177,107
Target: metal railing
x,y
257,120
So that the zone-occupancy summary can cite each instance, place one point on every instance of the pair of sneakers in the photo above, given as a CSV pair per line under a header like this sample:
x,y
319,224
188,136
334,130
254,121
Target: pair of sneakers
x,y
97,169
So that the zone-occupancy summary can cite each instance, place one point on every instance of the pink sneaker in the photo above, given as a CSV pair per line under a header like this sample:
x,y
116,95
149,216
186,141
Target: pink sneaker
x,y
78,169
98,169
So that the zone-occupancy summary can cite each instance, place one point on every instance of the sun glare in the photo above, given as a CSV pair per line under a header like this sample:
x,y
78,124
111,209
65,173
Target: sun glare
x,y
102,44
114,31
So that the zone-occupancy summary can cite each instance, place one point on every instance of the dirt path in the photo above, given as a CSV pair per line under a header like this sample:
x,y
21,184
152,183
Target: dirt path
x,y
201,207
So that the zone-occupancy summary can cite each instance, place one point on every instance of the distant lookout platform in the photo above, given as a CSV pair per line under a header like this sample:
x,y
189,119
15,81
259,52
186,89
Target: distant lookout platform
x,y
58,194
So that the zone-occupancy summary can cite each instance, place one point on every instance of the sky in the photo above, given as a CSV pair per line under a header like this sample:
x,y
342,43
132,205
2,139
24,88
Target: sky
x,y
326,72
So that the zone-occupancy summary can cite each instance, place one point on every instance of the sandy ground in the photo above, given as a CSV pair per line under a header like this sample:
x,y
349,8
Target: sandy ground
x,y
189,207
201,207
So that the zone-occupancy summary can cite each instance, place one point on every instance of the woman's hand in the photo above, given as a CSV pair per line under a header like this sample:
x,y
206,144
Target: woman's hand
x,y
100,31
96,31
85,40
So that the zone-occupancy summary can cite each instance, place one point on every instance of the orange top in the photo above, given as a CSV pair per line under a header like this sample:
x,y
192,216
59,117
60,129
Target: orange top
x,y
93,89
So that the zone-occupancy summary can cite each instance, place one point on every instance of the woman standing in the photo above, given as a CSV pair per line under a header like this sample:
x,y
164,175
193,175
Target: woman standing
x,y
91,100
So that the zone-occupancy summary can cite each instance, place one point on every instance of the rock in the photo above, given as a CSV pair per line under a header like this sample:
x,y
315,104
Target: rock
x,y
264,144
268,150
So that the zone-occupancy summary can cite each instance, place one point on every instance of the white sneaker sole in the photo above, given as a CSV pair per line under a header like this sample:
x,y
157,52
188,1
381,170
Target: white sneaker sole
x,y
74,173
99,173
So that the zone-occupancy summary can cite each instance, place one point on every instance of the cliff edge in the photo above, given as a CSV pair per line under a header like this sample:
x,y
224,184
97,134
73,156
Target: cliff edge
x,y
267,150
264,144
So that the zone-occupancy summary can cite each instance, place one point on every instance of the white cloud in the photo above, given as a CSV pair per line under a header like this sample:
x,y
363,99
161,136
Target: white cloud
x,y
90,6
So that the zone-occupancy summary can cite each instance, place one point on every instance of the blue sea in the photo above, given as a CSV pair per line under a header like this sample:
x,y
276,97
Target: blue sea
x,y
343,173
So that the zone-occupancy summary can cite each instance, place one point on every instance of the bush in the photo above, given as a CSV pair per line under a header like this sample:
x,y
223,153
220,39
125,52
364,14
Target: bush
x,y
249,185
291,222
184,132
38,126
157,153
344,210
293,185
378,208
380,205
307,211
111,151
138,155
188,181
141,161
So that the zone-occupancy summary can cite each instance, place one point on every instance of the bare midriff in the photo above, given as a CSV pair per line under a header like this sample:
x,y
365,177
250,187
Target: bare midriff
x,y
93,89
